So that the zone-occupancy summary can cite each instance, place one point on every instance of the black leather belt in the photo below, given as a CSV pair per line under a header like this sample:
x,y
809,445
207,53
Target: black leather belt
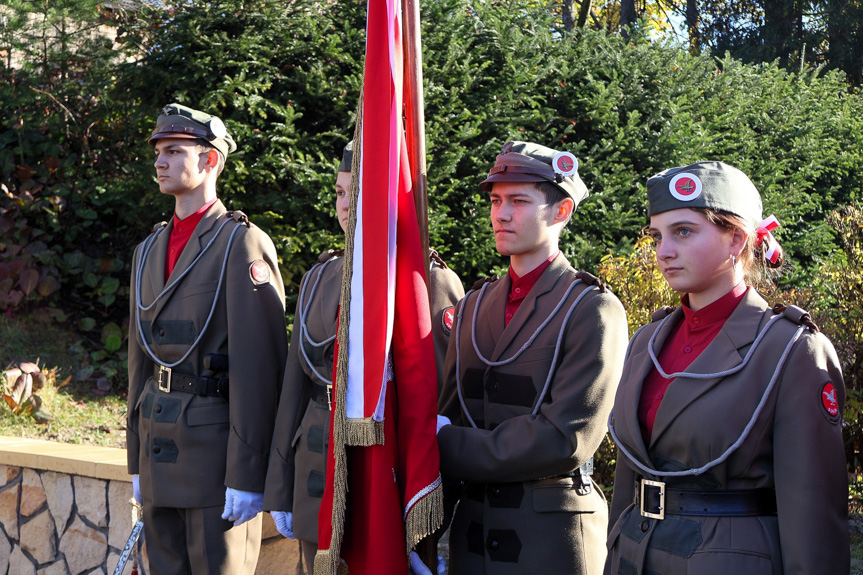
x,y
654,499
169,380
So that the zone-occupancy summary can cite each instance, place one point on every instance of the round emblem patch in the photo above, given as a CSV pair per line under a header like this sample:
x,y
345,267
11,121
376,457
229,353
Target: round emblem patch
x,y
564,164
829,402
217,127
259,271
448,318
685,187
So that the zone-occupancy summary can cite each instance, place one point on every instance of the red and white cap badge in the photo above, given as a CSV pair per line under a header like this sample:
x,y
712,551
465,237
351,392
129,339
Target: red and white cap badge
x,y
259,271
685,186
564,164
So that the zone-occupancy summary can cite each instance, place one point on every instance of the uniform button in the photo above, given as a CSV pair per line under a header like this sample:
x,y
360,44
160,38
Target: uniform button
x,y
517,290
158,408
162,332
156,449
494,545
496,491
645,525
658,396
509,316
696,320
687,349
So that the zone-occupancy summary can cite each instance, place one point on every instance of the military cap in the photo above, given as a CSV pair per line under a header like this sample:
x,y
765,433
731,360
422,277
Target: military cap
x,y
347,157
527,162
178,121
705,184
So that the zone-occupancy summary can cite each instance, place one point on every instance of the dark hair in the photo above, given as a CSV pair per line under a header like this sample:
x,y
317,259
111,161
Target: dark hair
x,y
757,269
552,193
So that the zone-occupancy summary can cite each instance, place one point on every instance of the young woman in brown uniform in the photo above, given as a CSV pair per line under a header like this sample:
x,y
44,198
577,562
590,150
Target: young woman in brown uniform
x,y
728,414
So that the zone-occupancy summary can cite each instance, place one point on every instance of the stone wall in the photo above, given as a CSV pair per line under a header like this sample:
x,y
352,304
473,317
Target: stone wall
x,y
64,510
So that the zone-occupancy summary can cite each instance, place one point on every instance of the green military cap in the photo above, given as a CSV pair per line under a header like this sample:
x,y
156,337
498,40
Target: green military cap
x,y
527,162
178,121
705,184
347,157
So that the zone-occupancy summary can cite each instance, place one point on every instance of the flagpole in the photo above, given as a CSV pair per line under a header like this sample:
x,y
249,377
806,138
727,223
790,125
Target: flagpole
x,y
415,117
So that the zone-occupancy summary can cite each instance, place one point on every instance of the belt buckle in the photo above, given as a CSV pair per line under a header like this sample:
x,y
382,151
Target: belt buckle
x,y
660,486
164,379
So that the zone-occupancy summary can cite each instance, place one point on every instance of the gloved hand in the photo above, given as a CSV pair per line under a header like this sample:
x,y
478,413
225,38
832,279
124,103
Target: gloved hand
x,y
441,421
284,521
136,489
240,506
419,568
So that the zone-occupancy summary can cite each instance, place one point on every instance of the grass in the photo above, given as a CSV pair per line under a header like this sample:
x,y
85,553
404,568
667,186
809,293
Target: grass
x,y
79,414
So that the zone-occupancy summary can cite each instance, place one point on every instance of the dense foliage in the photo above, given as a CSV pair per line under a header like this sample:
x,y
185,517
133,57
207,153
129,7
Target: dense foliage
x,y
81,86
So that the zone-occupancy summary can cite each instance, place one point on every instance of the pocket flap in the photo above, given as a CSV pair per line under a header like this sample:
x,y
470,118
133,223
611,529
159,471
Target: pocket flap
x,y
208,414
562,497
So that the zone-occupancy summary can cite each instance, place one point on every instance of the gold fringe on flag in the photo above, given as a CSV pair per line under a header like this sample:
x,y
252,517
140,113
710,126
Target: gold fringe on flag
x,y
425,516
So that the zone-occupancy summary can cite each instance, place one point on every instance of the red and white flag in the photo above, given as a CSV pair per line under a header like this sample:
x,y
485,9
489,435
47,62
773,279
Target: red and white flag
x,y
383,490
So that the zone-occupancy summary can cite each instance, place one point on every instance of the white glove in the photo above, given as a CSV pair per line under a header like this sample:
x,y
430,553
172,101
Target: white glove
x,y
240,506
136,489
419,568
441,421
284,521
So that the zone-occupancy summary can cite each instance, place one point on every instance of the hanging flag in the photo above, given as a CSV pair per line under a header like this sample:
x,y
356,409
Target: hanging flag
x,y
383,492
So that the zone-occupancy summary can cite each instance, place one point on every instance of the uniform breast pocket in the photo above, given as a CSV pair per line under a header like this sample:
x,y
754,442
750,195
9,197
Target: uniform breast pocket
x,y
536,353
208,414
201,288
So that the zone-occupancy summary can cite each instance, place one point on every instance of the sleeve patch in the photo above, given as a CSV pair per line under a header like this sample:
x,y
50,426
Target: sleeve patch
x,y
447,318
259,271
829,403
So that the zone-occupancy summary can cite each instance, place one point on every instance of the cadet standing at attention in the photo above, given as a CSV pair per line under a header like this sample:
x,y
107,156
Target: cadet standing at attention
x,y
728,415
295,479
206,352
531,370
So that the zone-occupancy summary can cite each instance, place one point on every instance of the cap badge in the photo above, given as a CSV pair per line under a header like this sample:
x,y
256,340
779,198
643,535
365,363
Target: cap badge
x,y
685,187
829,402
448,318
565,164
259,271
217,127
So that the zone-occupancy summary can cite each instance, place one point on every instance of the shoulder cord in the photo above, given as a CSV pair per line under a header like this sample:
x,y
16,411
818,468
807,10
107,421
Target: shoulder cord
x,y
304,332
523,347
746,430
140,306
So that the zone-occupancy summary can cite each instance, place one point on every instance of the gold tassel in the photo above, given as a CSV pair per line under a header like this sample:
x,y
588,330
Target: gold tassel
x,y
424,518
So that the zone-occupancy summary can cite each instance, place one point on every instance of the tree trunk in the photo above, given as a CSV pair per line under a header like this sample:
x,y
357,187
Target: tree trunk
x,y
779,25
583,13
568,14
627,15
693,25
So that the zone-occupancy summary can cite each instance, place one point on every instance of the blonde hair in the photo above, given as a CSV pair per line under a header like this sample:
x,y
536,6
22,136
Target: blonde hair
x,y
757,269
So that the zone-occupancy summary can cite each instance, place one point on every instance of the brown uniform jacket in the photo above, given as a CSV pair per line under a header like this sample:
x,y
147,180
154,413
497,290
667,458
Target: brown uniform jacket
x,y
295,479
523,510
795,447
188,448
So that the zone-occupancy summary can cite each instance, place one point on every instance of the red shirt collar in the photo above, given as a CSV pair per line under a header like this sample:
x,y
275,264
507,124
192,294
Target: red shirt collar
x,y
189,223
521,286
717,311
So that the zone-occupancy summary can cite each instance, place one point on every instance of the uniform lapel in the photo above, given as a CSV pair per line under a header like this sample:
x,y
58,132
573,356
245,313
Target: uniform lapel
x,y
640,365
201,235
725,352
154,267
491,316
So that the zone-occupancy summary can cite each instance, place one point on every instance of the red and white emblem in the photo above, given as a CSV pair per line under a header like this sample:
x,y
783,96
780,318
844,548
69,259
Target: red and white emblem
x,y
685,187
448,318
564,164
829,401
259,271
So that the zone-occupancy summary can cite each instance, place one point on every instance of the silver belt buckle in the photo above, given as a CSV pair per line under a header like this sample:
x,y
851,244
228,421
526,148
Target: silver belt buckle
x,y
661,507
164,379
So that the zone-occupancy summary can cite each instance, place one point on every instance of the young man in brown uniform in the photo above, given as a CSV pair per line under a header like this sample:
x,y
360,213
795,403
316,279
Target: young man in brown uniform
x,y
206,352
295,479
531,371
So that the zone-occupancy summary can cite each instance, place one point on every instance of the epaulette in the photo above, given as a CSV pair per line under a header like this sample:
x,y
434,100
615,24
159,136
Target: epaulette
x,y
239,217
329,254
435,257
480,282
159,226
591,280
798,315
662,312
